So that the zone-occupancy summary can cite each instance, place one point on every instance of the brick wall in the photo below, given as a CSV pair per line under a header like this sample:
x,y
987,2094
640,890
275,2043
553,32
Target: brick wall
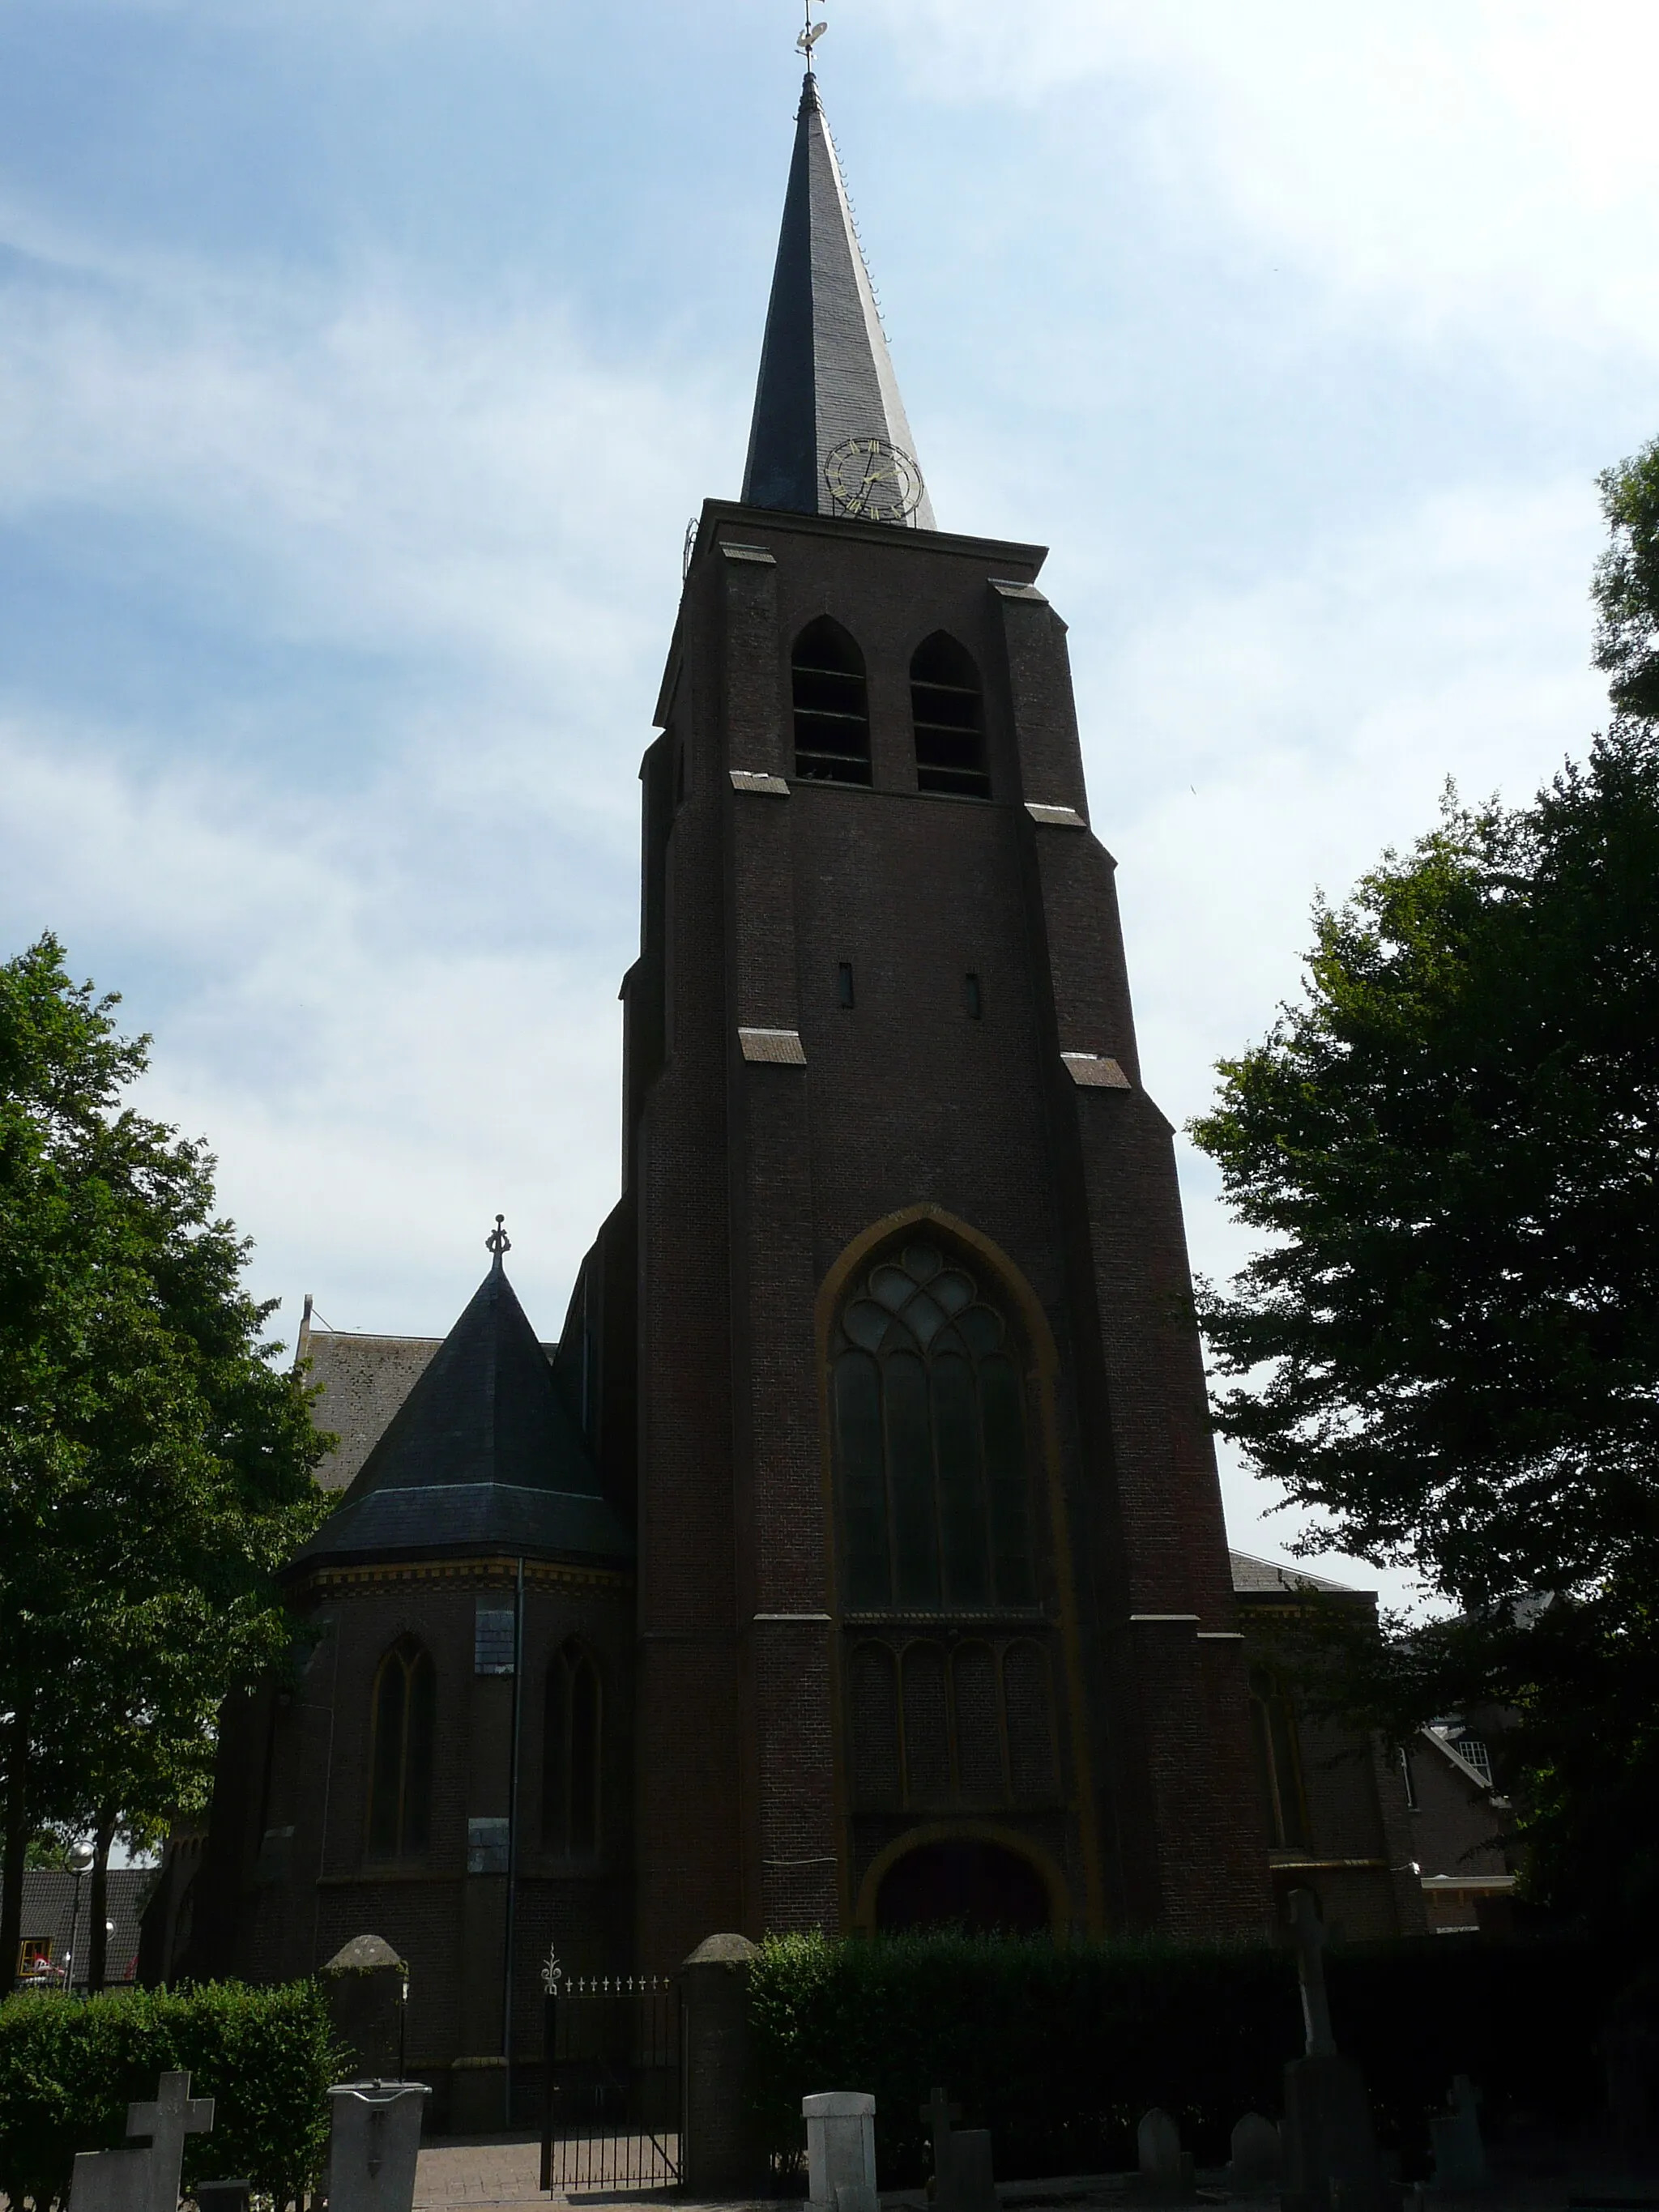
x,y
755,1179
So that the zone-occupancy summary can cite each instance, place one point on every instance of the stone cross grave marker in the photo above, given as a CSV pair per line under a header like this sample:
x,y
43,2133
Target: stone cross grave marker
x,y
962,2178
1310,1973
939,2113
143,2176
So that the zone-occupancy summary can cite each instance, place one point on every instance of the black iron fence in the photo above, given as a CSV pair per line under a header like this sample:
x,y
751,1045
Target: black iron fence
x,y
612,2114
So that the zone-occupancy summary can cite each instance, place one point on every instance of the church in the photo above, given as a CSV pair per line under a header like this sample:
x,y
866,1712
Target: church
x,y
854,1558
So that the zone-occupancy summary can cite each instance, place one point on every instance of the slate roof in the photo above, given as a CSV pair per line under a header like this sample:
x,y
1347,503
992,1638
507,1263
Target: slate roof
x,y
480,1457
1250,1574
364,1379
825,372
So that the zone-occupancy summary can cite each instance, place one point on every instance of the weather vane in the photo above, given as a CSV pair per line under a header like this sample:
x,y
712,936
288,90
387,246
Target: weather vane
x,y
809,35
498,1241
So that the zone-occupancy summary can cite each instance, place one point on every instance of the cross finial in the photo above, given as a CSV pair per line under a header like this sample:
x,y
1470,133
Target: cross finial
x,y
498,1241
811,33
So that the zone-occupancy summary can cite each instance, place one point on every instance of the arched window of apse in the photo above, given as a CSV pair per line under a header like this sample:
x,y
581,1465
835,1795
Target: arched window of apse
x,y
571,1753
400,1764
930,1443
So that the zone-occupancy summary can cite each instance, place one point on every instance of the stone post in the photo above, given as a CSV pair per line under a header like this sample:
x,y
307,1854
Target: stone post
x,y
365,1981
719,2152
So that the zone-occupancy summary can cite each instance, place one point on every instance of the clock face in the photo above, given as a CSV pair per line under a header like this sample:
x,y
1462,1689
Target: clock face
x,y
873,481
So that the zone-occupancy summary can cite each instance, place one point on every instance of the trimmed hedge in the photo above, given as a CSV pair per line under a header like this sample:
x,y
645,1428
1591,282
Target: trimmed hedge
x,y
69,2066
1060,2051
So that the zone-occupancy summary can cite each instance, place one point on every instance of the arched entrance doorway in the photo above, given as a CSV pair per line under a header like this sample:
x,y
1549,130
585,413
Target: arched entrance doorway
x,y
964,1881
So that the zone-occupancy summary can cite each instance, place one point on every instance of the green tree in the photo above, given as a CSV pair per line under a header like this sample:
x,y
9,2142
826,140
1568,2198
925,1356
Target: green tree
x,y
1626,586
1448,1346
155,1461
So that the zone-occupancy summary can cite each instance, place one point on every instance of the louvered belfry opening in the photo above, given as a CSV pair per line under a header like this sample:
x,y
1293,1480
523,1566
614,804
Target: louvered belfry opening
x,y
946,706
832,711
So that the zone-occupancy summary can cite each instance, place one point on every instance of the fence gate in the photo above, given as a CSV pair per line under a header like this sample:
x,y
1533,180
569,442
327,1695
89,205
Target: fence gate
x,y
612,2114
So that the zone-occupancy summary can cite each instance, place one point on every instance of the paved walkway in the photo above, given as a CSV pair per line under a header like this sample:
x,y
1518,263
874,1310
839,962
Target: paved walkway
x,y
500,2171
456,2171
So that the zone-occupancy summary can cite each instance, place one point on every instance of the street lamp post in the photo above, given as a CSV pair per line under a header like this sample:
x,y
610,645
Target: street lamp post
x,y
80,1861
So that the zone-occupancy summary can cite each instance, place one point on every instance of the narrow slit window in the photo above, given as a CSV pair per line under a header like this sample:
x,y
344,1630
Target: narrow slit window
x,y
947,709
844,984
832,710
971,998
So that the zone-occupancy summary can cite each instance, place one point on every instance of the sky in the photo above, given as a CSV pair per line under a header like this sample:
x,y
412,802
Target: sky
x,y
361,366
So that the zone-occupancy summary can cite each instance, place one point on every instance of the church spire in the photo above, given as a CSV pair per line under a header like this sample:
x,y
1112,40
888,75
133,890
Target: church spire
x,y
827,388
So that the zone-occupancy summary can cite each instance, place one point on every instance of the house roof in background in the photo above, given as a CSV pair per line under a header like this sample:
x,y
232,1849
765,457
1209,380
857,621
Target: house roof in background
x,y
49,1908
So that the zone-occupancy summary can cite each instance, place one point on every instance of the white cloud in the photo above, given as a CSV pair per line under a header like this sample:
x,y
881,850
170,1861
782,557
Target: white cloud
x,y
1489,158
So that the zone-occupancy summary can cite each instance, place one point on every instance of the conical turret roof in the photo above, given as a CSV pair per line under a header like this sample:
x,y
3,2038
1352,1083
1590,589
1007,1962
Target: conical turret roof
x,y
826,376
480,1457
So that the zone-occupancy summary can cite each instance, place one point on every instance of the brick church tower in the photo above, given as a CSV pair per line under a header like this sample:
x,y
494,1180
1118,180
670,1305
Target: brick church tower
x,y
856,1558
885,1349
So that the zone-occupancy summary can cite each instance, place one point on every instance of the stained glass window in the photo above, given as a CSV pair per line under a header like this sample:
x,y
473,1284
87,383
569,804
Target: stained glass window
x,y
930,1443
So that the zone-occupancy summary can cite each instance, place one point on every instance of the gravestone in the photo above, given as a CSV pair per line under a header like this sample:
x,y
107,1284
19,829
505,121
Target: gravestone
x,y
1459,2156
962,2178
375,2139
1165,2175
143,2176
840,2149
973,2183
1253,2167
1329,2148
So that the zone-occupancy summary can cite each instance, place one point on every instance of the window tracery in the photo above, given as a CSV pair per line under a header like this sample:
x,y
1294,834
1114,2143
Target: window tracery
x,y
930,1443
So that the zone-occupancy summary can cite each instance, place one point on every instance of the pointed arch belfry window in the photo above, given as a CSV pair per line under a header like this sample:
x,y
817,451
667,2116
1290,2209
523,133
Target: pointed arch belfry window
x,y
571,1753
832,710
928,1408
947,711
405,1712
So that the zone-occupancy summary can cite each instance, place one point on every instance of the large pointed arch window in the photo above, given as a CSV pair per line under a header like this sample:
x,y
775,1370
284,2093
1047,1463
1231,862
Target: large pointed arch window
x,y
947,710
571,1753
400,1765
930,1443
832,711
1278,1770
